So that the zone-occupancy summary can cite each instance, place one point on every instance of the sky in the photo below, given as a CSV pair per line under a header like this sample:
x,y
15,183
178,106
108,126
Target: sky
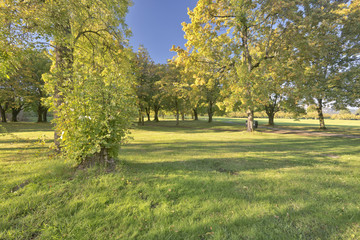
x,y
156,24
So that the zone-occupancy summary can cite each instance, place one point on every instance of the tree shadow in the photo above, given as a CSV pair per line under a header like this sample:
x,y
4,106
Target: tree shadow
x,y
14,127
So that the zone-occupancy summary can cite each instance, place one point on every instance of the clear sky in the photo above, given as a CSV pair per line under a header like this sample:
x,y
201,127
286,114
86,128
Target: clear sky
x,y
156,24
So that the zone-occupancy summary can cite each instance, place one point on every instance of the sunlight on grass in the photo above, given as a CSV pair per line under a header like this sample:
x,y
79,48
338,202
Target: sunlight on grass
x,y
195,181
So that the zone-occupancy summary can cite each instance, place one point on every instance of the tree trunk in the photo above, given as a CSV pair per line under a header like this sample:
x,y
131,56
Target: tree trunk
x,y
64,58
183,116
195,114
139,119
270,112
271,119
250,120
3,114
156,113
210,112
320,114
40,112
101,157
148,113
45,115
14,113
40,117
177,113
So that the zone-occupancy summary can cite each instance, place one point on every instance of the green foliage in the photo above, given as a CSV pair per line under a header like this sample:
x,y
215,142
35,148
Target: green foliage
x,y
90,80
232,44
98,106
344,111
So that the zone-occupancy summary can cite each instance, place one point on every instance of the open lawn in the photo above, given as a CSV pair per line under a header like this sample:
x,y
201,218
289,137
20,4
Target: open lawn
x,y
195,181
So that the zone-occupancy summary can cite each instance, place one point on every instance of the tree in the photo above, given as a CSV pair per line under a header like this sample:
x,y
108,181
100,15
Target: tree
x,y
344,111
16,87
324,54
235,38
70,25
146,76
174,89
280,88
90,67
202,80
100,104
158,95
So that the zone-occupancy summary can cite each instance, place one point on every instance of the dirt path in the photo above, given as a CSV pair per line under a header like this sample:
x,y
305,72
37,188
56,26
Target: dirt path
x,y
306,133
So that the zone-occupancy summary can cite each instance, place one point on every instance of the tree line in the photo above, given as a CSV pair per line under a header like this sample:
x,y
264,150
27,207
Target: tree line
x,y
73,58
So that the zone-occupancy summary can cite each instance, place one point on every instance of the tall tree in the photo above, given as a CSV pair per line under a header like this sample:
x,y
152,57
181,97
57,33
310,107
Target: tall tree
x,y
202,77
236,38
325,55
69,25
174,89
146,76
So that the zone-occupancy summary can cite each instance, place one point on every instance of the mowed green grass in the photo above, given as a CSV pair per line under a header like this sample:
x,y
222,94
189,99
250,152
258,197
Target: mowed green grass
x,y
195,181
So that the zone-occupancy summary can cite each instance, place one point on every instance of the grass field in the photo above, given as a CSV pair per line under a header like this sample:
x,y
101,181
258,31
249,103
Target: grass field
x,y
195,181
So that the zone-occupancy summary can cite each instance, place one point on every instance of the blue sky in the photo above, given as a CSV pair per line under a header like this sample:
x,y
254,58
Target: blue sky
x,y
156,24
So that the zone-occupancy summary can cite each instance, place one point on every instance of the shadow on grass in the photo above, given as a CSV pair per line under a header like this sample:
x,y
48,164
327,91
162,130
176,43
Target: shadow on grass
x,y
299,147
13,127
197,196
282,210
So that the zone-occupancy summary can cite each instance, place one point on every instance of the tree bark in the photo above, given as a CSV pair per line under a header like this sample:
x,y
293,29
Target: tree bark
x,y
139,118
210,111
3,113
14,113
250,120
101,157
195,114
183,116
40,112
320,114
45,115
148,113
156,113
63,65
271,119
40,117
270,112
177,112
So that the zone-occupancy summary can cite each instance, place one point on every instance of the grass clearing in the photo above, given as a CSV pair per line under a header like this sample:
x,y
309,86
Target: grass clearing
x,y
195,181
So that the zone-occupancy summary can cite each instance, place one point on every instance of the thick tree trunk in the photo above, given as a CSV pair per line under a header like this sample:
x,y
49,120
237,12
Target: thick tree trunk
x,y
270,112
156,114
45,115
320,114
40,117
40,112
14,113
250,120
3,114
210,112
195,114
271,119
101,157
